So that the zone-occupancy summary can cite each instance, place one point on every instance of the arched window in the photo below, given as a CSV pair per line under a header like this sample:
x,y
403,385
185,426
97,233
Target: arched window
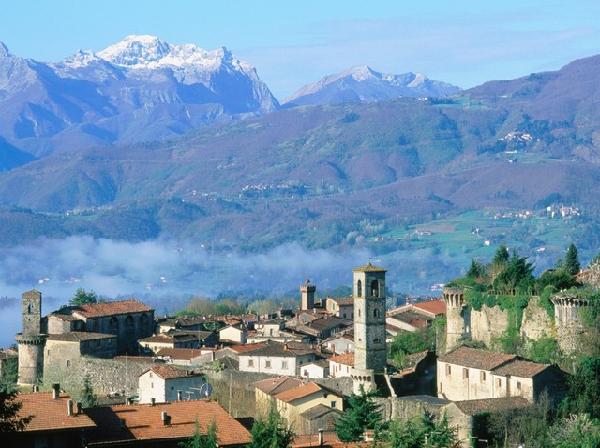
x,y
29,309
114,324
144,322
375,288
359,288
375,313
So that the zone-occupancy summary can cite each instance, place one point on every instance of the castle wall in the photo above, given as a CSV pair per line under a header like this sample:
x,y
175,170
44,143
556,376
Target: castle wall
x,y
488,324
536,323
31,360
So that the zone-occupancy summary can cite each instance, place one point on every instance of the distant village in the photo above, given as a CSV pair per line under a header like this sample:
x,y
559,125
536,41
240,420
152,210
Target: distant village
x,y
158,379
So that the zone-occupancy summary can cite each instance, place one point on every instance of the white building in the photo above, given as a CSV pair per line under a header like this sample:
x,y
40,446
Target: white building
x,y
165,383
341,365
316,369
233,333
277,358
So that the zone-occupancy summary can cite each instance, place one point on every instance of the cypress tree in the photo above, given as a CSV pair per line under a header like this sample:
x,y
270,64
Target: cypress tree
x,y
88,398
361,414
571,263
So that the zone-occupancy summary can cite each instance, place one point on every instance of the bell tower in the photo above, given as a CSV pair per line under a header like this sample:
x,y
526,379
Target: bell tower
x,y
307,292
370,355
31,341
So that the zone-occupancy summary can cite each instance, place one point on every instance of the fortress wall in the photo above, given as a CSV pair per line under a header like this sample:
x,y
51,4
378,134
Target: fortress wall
x,y
536,323
488,323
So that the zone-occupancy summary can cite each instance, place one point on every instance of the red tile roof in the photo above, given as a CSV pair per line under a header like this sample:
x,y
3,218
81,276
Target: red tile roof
x,y
302,391
111,308
181,353
344,358
435,307
168,372
143,422
244,348
521,368
50,414
274,386
476,358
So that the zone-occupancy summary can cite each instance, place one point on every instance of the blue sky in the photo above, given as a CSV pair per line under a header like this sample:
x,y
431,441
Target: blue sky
x,y
294,42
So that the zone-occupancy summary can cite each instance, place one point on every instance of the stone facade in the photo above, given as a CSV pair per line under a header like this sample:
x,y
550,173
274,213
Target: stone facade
x,y
536,323
488,324
65,350
370,355
569,327
307,295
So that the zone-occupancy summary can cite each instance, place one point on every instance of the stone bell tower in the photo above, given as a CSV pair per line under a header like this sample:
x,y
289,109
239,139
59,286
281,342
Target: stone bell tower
x,y
370,355
307,292
457,317
31,341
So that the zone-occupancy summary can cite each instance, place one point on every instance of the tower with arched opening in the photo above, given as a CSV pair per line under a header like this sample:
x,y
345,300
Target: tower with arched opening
x,y
370,354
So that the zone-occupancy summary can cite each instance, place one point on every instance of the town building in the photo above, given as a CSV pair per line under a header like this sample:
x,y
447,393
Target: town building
x,y
235,333
342,307
307,295
340,343
468,374
66,348
341,366
163,383
56,421
165,425
277,358
31,340
186,356
316,369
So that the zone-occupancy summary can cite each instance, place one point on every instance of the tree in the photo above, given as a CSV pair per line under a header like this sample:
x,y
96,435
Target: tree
x,y
199,440
575,431
10,421
571,263
82,297
10,373
584,389
501,256
88,398
422,431
477,270
271,432
361,414
516,275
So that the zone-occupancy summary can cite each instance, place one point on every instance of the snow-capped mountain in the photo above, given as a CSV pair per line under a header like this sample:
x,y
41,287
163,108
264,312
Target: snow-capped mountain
x,y
363,84
139,89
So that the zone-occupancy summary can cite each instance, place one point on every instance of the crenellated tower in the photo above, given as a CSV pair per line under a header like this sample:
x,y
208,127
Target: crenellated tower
x,y
567,318
370,355
31,341
307,293
457,317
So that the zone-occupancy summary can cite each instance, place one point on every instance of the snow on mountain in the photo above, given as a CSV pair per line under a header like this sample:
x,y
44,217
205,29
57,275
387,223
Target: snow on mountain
x,y
363,84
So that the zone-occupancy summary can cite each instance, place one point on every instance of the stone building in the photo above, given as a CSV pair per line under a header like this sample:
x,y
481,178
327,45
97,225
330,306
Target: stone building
x,y
165,383
129,320
370,353
154,344
277,358
567,317
469,374
64,349
235,333
31,341
342,307
341,366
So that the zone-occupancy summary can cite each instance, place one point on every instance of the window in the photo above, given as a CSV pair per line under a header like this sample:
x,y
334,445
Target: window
x,y
333,404
482,377
376,340
250,362
151,385
518,385
448,370
465,373
359,288
48,353
267,364
284,364
68,363
499,382
375,312
375,288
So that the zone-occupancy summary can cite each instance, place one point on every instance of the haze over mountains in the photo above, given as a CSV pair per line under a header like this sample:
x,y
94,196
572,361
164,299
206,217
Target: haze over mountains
x,y
250,174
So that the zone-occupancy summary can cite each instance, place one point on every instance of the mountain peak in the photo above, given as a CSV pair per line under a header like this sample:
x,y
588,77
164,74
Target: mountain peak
x,y
361,73
3,50
136,49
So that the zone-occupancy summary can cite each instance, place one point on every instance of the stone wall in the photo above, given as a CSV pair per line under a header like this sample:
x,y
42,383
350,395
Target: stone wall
x,y
406,408
536,322
488,324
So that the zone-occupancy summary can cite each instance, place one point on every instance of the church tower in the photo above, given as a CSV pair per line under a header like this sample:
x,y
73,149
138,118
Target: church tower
x,y
31,341
370,355
307,291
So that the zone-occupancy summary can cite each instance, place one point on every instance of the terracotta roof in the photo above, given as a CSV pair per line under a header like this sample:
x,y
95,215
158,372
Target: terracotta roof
x,y
180,353
304,390
274,386
521,368
111,308
245,348
435,307
318,411
78,336
473,407
476,358
168,372
344,358
169,338
282,350
368,268
143,422
50,414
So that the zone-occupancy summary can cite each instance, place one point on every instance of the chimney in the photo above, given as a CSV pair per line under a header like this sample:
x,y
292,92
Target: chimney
x,y
285,346
320,436
152,401
55,391
70,408
79,408
130,400
179,395
166,418
35,388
